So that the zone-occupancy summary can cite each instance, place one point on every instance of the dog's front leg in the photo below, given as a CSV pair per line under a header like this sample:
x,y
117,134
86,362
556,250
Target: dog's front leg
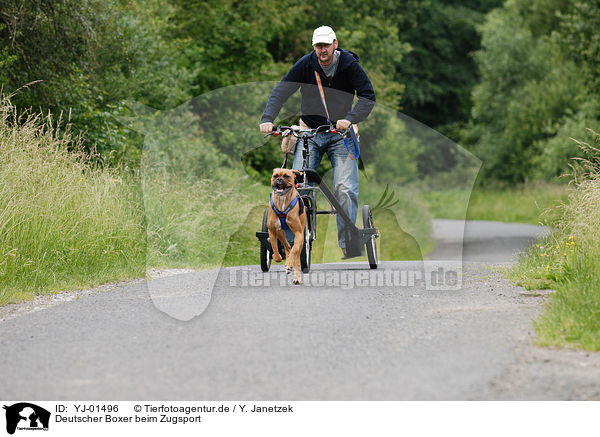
x,y
295,255
289,261
274,246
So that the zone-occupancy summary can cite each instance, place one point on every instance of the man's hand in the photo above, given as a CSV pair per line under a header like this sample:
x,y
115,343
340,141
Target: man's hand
x,y
267,127
342,124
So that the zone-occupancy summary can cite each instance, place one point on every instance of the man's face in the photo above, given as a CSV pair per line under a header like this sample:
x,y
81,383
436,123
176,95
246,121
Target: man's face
x,y
325,52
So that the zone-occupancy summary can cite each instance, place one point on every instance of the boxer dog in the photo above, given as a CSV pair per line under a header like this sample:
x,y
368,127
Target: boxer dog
x,y
286,211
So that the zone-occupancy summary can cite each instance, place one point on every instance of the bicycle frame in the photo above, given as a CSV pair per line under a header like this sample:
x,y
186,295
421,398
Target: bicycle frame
x,y
355,237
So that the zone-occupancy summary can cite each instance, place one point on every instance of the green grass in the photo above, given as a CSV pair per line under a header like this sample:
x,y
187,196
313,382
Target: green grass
x,y
567,261
529,203
63,222
572,316
190,222
567,264
66,223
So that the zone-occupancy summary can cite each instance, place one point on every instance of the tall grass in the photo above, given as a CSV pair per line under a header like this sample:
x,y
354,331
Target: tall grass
x,y
567,261
63,221
67,223
201,223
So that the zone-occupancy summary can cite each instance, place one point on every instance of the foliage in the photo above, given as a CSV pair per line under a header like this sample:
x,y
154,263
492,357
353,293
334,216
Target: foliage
x,y
535,86
390,154
439,71
92,56
86,58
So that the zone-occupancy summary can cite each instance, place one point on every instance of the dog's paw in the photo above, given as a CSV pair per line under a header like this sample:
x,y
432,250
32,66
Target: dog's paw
x,y
277,258
289,269
297,281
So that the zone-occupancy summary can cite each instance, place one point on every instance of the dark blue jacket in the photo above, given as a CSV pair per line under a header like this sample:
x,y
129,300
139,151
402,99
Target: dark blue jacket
x,y
339,91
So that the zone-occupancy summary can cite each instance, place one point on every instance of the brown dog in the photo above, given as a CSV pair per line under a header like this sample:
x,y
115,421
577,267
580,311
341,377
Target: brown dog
x,y
286,209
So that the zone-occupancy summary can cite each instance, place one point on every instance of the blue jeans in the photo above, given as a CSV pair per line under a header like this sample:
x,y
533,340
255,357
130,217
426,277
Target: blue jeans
x,y
345,173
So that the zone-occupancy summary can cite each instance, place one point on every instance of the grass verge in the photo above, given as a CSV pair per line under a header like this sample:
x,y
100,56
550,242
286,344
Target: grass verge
x,y
567,261
64,223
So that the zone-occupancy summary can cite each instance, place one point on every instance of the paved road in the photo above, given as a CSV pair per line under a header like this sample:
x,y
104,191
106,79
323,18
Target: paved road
x,y
482,241
379,342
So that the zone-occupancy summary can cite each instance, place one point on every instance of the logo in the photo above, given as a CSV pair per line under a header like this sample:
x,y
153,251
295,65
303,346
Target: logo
x,y
25,416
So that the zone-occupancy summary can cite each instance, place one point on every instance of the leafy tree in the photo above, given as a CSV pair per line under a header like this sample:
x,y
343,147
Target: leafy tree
x,y
85,59
530,88
578,37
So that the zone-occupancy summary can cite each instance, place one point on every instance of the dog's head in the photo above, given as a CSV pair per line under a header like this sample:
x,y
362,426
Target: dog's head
x,y
283,180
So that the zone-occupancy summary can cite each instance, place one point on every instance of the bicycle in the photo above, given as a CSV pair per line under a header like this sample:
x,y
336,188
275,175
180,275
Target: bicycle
x,y
311,182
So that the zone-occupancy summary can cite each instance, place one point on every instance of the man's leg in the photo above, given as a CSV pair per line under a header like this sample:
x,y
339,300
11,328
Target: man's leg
x,y
345,183
315,155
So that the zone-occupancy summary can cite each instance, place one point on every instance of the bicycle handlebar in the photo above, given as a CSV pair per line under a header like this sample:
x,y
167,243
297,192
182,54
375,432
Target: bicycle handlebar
x,y
305,133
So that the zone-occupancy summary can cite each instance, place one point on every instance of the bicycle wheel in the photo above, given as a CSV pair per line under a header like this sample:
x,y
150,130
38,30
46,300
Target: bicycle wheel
x,y
265,254
306,249
371,244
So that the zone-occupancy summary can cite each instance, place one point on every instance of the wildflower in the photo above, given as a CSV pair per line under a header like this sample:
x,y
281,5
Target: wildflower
x,y
548,267
571,237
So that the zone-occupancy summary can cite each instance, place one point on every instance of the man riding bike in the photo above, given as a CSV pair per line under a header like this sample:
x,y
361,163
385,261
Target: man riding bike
x,y
328,78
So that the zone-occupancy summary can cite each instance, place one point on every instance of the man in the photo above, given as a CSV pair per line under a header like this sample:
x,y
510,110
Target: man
x,y
342,78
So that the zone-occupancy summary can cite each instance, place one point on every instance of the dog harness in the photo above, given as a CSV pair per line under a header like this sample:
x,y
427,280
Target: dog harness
x,y
283,215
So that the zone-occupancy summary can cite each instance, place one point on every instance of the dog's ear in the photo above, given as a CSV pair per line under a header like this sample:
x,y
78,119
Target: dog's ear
x,y
298,175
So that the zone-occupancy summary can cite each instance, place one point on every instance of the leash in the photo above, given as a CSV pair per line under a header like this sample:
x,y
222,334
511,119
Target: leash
x,y
352,133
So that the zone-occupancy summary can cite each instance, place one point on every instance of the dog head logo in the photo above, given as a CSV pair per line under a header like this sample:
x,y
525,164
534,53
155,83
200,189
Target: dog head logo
x,y
26,416
216,133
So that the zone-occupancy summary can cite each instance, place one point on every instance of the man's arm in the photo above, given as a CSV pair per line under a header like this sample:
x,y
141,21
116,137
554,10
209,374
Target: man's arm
x,y
366,95
284,89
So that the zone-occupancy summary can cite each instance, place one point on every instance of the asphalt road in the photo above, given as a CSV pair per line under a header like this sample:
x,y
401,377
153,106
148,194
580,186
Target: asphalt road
x,y
357,339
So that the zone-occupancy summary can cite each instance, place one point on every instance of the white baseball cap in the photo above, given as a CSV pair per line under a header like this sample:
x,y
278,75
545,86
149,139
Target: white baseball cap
x,y
323,35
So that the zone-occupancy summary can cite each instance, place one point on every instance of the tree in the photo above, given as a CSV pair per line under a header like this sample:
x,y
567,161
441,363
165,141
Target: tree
x,y
530,88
